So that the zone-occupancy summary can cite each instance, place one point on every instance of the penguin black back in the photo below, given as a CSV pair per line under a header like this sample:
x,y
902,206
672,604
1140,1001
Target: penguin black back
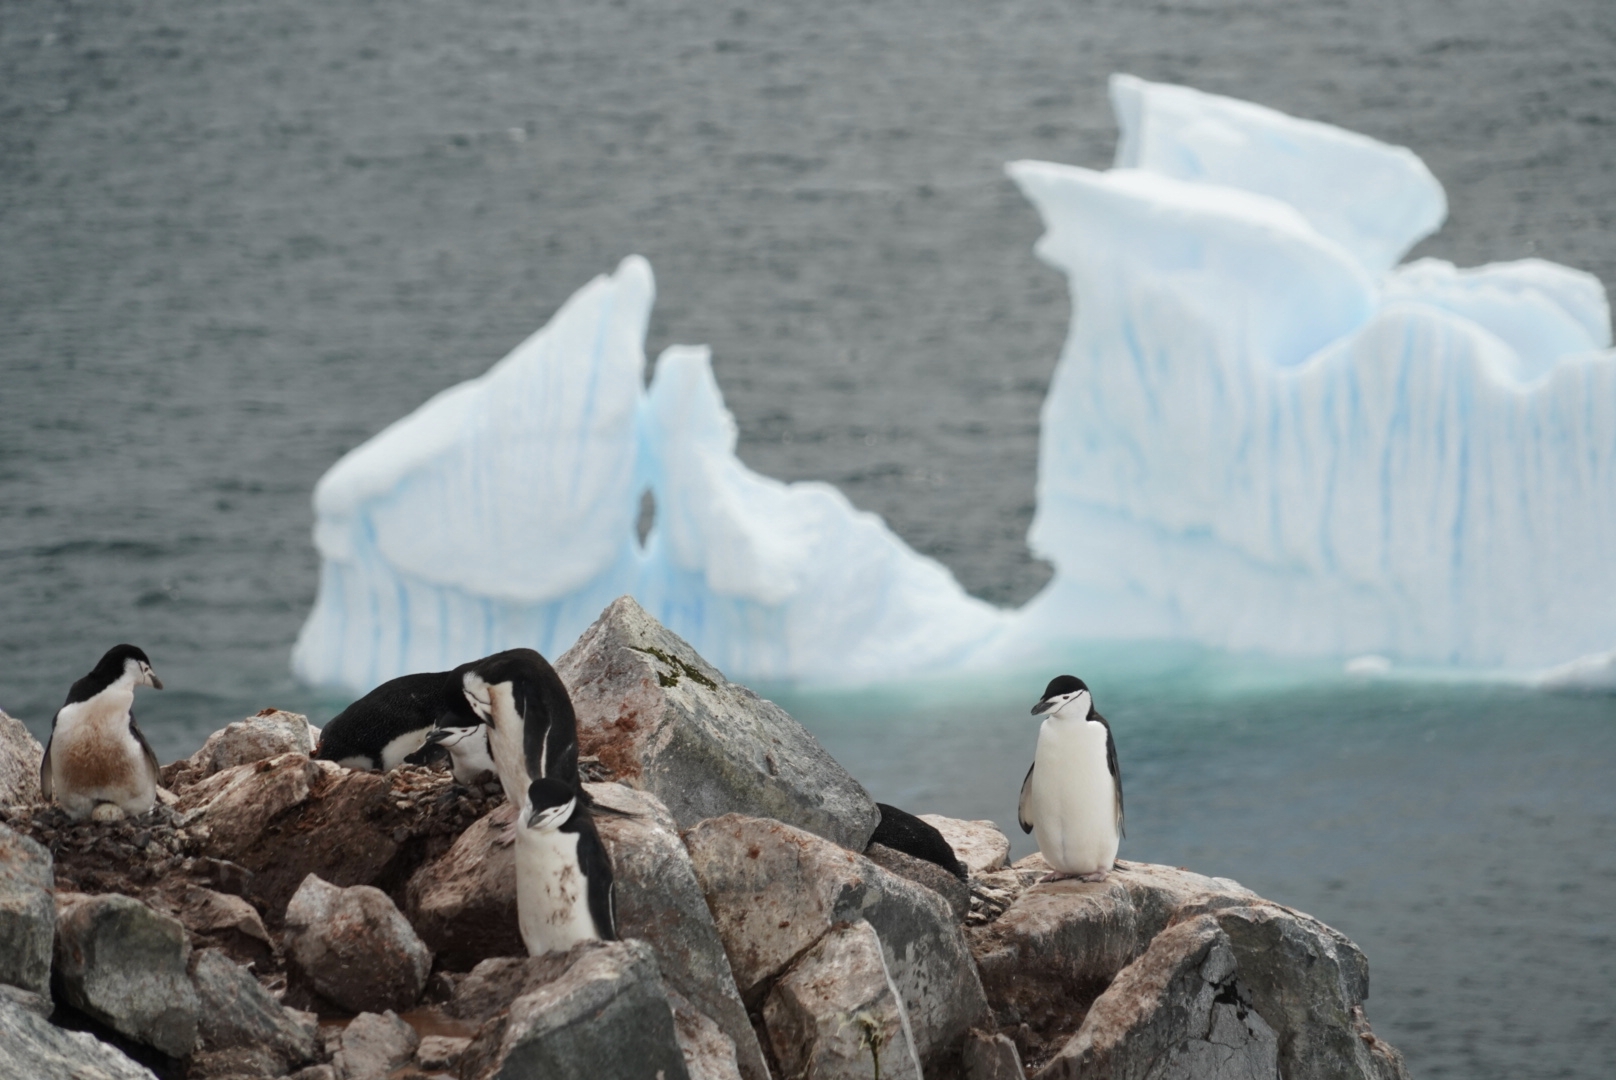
x,y
549,724
902,831
397,708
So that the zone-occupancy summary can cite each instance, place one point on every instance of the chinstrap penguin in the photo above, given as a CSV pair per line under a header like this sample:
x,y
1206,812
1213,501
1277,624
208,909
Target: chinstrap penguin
x,y
1072,797
563,871
393,721
96,754
468,751
902,831
532,730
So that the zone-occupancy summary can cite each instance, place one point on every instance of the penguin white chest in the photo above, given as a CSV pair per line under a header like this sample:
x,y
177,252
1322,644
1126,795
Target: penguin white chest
x,y
1073,800
96,758
552,894
505,744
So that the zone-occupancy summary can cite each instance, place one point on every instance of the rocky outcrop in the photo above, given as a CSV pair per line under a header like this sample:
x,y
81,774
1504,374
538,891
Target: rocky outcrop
x,y
1174,1012
604,1016
20,755
271,733
955,893
124,964
463,903
220,920
244,1030
373,1045
775,891
978,844
835,1014
32,1047
27,913
709,1053
353,947
662,719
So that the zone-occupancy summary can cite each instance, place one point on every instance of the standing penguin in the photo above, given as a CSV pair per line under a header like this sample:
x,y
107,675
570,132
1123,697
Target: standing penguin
x,y
1072,797
563,871
394,720
96,755
532,730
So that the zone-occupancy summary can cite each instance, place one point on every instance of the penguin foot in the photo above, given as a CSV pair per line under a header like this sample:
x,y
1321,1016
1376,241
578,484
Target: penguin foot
x,y
1097,875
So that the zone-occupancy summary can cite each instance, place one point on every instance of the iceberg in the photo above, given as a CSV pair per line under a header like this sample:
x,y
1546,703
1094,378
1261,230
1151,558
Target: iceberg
x,y
1263,433
504,512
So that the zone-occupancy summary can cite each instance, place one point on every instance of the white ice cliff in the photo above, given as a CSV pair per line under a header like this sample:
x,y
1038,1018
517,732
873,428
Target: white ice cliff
x,y
1262,434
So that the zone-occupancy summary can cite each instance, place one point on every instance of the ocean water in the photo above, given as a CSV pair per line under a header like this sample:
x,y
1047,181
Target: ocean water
x,y
236,239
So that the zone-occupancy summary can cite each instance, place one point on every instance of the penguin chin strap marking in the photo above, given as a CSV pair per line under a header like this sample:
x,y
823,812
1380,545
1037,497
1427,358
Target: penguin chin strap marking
x,y
551,817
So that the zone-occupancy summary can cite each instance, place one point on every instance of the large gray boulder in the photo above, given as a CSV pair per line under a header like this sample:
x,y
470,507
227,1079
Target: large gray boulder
x,y
1058,945
240,1022
662,719
605,1017
27,912
1308,981
775,890
32,1047
660,901
373,1045
271,733
836,1015
125,965
1173,1014
978,844
709,1053
20,755
353,947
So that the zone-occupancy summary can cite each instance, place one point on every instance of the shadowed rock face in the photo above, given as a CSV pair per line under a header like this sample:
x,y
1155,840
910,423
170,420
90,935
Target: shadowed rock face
x,y
125,965
27,912
774,891
598,1012
36,1049
353,947
663,719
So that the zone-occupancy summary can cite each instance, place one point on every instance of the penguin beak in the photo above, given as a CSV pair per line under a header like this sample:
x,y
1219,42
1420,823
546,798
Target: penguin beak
x,y
151,678
1045,705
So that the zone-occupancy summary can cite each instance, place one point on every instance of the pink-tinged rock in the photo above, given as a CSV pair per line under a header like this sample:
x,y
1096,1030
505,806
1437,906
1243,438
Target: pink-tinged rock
x,y
709,1054
1173,1012
604,1016
351,946
1059,945
978,844
463,903
271,733
774,891
20,755
662,719
992,1057
373,1045
836,1015
439,1053
226,922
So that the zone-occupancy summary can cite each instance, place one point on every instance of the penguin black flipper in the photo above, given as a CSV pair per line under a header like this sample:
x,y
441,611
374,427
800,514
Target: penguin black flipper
x,y
45,766
902,831
596,864
1112,767
146,750
1026,794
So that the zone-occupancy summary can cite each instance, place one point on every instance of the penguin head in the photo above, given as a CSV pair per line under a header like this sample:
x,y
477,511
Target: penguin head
x,y
549,804
1062,692
127,662
450,737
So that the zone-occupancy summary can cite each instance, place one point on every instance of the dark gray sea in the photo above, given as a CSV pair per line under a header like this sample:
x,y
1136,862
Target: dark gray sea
x,y
237,239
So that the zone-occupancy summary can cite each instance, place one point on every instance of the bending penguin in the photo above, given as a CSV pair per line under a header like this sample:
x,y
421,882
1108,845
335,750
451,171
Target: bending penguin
x,y
532,730
563,871
393,721
96,755
1072,797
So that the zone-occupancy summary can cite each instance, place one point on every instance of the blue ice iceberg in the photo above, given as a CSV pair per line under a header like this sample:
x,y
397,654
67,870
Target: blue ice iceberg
x,y
504,512
1262,434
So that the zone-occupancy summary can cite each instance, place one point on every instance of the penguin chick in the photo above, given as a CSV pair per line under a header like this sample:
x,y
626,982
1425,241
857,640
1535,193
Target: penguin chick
x,y
96,754
468,751
394,720
563,872
532,730
1072,797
